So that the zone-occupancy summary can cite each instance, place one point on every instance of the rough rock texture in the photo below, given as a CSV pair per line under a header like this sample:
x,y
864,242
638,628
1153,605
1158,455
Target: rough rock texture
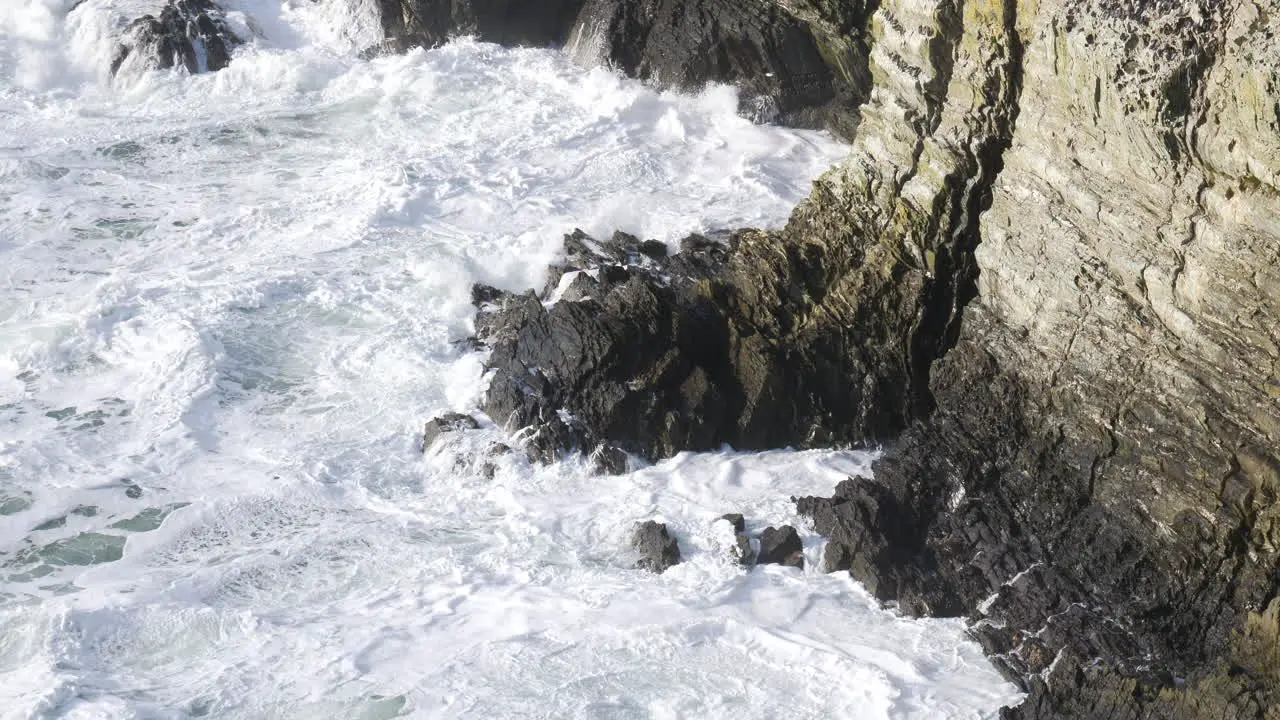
x,y
741,550
781,546
448,422
738,522
1099,485
191,34
822,333
802,63
658,550
411,23
1052,260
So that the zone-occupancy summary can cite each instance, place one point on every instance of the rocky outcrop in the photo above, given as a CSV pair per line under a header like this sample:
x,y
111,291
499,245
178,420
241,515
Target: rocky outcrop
x,y
821,333
658,550
191,34
413,23
741,550
802,63
446,423
1050,271
781,546
1098,488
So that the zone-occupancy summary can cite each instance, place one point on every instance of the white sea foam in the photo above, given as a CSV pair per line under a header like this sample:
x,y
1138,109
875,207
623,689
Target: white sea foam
x,y
230,300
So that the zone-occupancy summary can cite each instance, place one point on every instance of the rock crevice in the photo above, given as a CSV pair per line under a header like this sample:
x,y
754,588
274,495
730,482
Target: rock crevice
x,y
1049,272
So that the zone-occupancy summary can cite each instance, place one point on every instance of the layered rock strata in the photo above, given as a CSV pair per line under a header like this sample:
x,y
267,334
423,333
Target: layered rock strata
x,y
1052,262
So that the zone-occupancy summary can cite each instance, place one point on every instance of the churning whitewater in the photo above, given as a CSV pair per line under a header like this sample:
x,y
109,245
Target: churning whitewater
x,y
230,300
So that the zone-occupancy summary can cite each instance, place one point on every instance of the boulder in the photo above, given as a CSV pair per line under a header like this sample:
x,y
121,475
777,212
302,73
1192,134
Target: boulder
x,y
738,522
801,63
190,34
742,551
781,546
448,422
1047,273
658,550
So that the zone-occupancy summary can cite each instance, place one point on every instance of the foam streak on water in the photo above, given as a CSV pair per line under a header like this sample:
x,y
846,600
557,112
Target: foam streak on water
x,y
228,303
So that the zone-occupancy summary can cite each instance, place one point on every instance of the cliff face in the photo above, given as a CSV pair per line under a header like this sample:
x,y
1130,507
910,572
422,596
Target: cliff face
x,y
1051,263
1100,480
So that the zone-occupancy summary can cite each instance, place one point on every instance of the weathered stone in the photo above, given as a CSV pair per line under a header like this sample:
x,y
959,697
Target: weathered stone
x,y
1048,273
742,551
738,522
191,34
781,546
448,422
609,460
658,550
802,63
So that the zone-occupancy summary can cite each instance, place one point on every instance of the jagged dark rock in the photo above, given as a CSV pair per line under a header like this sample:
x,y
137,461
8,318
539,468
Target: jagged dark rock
x,y
717,344
414,23
742,551
609,460
1048,273
658,550
738,522
448,422
781,546
191,34
802,64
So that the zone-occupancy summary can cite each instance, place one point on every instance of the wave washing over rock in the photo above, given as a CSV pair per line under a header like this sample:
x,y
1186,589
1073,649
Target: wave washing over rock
x,y
232,298
1049,270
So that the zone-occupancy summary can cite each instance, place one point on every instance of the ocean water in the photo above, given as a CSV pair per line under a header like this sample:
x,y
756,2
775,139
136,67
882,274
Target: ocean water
x,y
229,301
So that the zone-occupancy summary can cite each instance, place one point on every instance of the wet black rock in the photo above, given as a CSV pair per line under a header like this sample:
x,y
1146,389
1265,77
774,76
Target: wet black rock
x,y
658,550
742,551
191,34
1067,330
801,64
609,460
448,422
720,343
797,68
427,23
738,522
781,546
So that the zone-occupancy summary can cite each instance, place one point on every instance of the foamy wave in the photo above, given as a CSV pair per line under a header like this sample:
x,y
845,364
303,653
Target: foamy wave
x,y
233,299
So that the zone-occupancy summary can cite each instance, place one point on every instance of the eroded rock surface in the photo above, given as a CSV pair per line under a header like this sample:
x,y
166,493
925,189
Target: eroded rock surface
x,y
658,550
191,34
802,63
781,546
1052,262
446,423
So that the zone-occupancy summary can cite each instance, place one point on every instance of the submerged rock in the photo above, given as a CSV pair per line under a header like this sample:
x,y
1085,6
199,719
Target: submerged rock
x,y
741,549
781,546
446,423
658,550
191,34
689,352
